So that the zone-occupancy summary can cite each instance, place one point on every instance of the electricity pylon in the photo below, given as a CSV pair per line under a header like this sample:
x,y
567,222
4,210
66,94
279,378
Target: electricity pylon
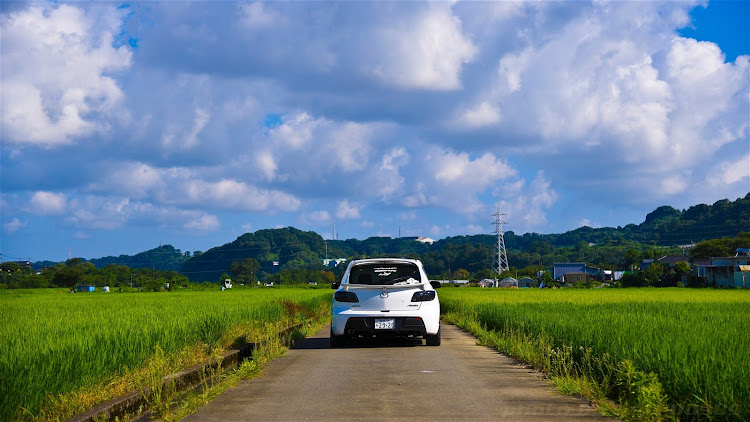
x,y
500,264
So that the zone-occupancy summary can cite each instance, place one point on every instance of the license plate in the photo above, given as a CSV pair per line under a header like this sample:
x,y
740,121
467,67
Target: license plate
x,y
385,323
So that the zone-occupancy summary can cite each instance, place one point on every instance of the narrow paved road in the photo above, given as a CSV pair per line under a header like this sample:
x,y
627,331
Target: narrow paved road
x,y
458,381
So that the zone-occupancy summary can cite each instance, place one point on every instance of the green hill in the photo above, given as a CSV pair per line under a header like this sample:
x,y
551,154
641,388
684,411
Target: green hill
x,y
165,258
660,233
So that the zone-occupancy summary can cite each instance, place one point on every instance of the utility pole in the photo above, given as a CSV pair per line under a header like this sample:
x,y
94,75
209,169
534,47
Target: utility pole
x,y
501,263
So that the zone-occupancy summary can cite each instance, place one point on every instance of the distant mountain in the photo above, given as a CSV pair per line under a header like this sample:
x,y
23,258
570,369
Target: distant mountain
x,y
668,226
165,258
289,247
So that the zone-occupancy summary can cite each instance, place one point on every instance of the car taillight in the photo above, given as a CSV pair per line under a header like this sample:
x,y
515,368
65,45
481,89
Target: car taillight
x,y
343,296
423,296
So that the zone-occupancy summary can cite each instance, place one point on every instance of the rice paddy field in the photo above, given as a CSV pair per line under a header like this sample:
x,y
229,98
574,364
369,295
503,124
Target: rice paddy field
x,y
55,343
695,342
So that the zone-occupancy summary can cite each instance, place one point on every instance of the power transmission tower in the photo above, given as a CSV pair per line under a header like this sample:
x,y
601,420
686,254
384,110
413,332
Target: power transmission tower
x,y
500,264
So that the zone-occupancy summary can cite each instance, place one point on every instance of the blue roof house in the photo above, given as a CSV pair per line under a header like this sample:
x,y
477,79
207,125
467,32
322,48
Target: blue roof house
x,y
559,269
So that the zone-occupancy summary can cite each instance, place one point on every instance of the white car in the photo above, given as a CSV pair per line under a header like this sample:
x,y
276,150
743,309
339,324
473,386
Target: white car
x,y
385,297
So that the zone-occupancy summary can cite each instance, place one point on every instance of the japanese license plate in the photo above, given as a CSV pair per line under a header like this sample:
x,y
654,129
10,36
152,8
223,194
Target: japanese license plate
x,y
385,323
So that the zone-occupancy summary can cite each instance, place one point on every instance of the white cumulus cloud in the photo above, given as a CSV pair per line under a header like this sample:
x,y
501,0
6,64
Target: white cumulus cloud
x,y
47,203
346,210
57,79
205,222
731,172
14,225
483,114
426,52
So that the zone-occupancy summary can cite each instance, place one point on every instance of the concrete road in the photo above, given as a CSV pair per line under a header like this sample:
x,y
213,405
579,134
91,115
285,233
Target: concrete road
x,y
397,380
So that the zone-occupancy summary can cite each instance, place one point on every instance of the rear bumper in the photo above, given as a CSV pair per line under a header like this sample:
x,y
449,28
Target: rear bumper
x,y
403,327
425,321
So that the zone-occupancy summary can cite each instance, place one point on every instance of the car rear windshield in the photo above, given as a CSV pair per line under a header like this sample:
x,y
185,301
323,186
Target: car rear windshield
x,y
386,274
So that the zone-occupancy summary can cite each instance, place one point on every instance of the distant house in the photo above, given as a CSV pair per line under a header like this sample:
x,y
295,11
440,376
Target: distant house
x,y
85,288
567,272
645,263
730,271
607,275
333,262
673,259
699,267
526,282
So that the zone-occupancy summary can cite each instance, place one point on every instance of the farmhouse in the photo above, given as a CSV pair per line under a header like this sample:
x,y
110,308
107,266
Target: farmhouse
x,y
673,259
728,271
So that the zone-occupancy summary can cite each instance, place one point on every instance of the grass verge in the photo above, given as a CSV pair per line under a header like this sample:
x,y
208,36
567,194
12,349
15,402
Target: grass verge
x,y
639,396
214,337
177,407
661,354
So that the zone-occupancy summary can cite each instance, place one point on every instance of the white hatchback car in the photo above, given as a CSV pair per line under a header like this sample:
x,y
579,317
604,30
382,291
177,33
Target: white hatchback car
x,y
385,297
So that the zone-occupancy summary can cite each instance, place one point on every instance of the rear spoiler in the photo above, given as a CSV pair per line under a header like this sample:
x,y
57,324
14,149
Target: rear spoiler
x,y
382,287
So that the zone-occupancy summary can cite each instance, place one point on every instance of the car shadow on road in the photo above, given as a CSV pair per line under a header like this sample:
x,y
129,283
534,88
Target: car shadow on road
x,y
368,343
317,343
313,343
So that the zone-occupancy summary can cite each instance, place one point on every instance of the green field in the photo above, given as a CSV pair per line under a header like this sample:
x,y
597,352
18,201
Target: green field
x,y
59,347
697,342
56,343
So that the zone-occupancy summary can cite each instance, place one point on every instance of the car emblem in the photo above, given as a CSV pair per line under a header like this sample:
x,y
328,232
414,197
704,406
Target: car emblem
x,y
384,294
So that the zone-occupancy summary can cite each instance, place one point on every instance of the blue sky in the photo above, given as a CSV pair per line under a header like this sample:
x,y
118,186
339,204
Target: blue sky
x,y
127,125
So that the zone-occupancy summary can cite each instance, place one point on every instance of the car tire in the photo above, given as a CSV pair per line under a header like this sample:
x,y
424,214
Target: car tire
x,y
433,340
337,341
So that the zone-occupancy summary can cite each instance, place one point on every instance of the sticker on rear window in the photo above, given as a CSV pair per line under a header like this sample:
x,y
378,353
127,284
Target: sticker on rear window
x,y
385,271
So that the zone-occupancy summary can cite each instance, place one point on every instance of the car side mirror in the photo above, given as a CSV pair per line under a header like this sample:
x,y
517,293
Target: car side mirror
x,y
435,284
335,285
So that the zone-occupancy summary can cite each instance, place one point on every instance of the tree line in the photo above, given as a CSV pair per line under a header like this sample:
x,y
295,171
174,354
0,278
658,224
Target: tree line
x,y
79,272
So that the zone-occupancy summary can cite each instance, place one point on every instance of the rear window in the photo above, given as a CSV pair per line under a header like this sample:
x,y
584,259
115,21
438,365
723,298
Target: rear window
x,y
385,274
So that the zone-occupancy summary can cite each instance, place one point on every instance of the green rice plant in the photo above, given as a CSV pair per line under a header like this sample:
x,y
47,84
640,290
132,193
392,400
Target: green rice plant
x,y
56,344
688,348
